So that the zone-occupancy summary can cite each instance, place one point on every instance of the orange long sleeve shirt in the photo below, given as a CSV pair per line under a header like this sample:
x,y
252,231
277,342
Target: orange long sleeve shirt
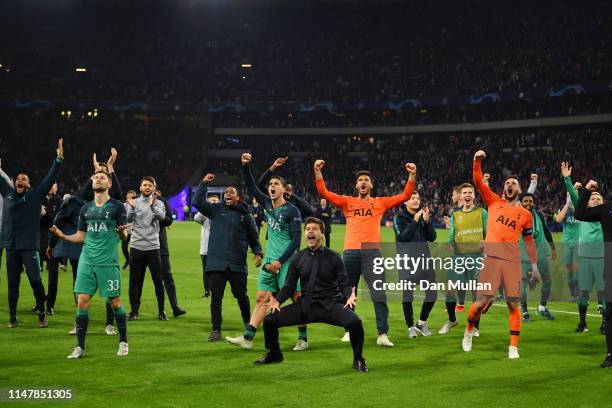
x,y
505,223
363,216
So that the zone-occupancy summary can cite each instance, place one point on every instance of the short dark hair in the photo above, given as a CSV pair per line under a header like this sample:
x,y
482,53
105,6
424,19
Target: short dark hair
x,y
315,220
364,173
106,173
279,178
150,179
512,176
527,195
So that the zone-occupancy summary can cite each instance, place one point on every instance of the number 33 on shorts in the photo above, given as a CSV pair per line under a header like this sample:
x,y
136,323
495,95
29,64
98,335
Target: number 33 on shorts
x,y
113,285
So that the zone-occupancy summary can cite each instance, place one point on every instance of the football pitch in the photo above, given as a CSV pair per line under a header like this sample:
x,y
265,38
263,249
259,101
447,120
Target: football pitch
x,y
172,365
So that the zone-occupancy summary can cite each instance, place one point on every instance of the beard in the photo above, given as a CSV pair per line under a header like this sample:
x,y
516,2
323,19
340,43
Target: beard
x,y
100,189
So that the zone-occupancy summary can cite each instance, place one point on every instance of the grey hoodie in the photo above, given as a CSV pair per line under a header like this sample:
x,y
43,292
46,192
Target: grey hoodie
x,y
145,223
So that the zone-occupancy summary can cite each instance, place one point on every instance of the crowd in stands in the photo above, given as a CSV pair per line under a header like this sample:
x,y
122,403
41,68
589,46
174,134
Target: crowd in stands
x,y
364,51
167,149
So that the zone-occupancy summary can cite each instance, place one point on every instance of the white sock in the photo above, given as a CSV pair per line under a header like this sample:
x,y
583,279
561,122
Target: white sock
x,y
421,322
541,308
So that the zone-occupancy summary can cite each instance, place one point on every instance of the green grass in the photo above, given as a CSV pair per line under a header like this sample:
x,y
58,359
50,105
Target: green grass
x,y
171,364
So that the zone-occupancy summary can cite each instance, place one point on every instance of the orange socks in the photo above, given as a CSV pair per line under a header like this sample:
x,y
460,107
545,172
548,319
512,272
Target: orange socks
x,y
473,316
515,326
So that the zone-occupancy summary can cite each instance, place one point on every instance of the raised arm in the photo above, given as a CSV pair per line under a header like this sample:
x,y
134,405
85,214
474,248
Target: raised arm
x,y
199,199
6,184
487,195
259,195
262,182
335,199
561,214
533,184
43,188
396,200
306,210
590,214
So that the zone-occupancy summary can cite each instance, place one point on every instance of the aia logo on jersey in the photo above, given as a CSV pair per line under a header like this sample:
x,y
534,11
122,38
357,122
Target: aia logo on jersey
x,y
362,212
272,223
507,222
97,227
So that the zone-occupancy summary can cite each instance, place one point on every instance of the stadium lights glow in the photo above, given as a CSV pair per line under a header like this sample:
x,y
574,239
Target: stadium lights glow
x,y
243,77
80,69
246,65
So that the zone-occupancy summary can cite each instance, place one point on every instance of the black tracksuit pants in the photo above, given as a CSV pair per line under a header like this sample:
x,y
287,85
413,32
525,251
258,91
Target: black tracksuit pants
x,y
53,269
139,261
238,282
293,315
15,260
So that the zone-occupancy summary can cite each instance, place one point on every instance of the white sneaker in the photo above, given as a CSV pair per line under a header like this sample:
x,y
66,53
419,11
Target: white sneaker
x,y
467,340
513,352
301,345
123,349
448,326
413,333
77,353
346,338
423,329
72,331
476,332
110,330
241,342
383,340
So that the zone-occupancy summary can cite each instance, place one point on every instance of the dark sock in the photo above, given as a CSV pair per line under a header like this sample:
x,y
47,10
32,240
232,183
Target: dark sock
x,y
121,323
582,310
408,314
82,320
450,309
477,323
425,310
460,297
249,332
302,333
110,315
524,307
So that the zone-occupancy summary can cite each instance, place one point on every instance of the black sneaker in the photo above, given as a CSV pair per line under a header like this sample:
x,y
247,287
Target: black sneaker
x,y
359,364
35,309
125,265
270,358
162,316
50,311
133,316
607,363
178,312
602,328
582,328
214,335
206,294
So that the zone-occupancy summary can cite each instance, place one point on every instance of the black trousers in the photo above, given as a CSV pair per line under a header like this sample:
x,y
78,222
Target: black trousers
x,y
53,268
15,260
238,282
292,315
204,278
327,239
168,280
125,248
139,261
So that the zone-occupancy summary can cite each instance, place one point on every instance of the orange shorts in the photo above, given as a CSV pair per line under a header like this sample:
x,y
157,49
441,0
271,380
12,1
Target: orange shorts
x,y
497,271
